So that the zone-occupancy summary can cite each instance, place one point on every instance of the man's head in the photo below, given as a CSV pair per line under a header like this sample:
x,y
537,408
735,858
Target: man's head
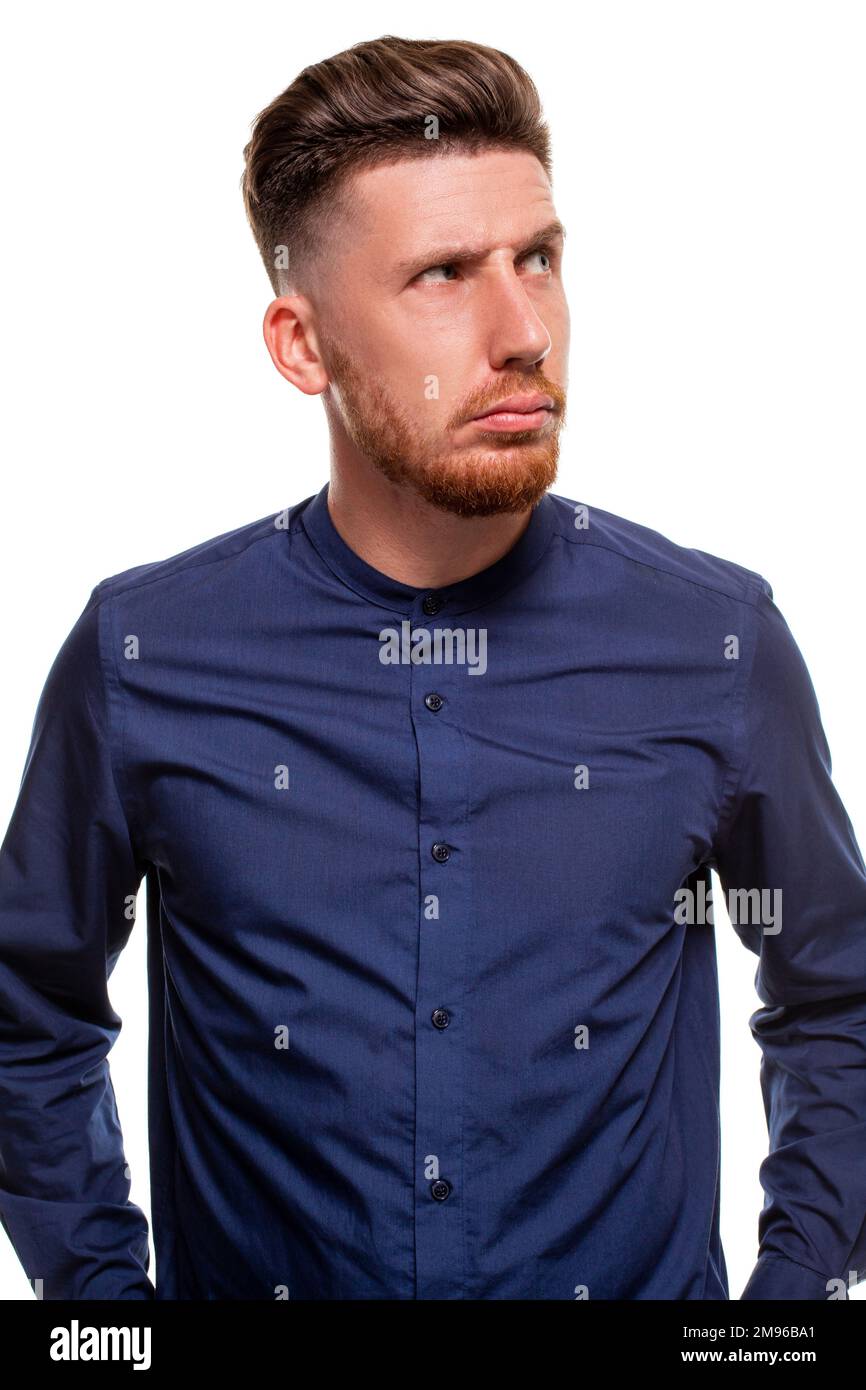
x,y
400,197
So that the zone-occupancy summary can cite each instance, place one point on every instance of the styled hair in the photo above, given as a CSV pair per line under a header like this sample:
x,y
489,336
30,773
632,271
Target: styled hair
x,y
385,99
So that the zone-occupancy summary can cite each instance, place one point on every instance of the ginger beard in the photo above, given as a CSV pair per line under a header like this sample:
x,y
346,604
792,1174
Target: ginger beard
x,y
499,473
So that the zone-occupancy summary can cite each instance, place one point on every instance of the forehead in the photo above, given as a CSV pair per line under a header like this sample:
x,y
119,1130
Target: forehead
x,y
496,196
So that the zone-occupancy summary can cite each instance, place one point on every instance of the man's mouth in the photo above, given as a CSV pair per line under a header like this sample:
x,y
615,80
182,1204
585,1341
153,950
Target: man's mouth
x,y
527,412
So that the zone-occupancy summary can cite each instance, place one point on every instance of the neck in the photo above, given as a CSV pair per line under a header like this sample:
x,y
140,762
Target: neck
x,y
401,535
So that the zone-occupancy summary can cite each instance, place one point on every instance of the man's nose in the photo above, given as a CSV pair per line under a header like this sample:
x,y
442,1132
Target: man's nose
x,y
516,332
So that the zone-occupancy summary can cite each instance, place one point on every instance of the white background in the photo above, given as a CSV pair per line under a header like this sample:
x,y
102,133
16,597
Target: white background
x,y
709,170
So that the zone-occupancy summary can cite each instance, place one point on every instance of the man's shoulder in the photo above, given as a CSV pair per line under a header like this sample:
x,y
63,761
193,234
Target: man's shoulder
x,y
647,552
215,558
644,550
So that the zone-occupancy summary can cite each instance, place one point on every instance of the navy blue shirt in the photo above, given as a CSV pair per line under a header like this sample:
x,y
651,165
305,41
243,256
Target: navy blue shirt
x,y
433,993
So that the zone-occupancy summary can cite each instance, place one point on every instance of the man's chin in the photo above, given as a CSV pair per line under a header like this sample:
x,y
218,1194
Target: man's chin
x,y
488,484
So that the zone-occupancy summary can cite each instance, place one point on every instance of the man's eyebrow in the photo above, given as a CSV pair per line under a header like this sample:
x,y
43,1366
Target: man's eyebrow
x,y
468,253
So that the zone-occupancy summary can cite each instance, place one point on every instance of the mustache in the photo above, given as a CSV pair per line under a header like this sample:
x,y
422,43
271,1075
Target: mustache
x,y
483,398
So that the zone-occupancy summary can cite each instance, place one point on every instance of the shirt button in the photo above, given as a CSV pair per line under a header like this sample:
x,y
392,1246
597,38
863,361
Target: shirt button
x,y
441,853
441,1018
431,603
440,1189
434,701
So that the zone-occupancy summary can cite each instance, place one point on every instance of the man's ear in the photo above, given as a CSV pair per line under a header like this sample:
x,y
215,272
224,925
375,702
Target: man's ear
x,y
290,337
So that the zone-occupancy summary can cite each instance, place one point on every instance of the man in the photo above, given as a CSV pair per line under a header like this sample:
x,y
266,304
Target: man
x,y
427,775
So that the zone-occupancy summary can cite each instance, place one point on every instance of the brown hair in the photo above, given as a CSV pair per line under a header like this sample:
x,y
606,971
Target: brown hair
x,y
373,103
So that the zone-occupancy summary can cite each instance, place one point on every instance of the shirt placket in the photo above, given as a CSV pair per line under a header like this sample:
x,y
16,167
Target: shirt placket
x,y
443,921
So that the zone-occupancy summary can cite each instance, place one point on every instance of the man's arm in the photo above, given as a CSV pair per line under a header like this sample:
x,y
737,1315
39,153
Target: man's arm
x,y
68,880
785,828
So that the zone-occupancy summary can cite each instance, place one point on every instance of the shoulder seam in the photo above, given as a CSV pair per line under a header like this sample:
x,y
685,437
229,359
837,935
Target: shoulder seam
x,y
749,585
110,583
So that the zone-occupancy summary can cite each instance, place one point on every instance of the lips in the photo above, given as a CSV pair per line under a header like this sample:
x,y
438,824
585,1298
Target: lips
x,y
517,415
518,405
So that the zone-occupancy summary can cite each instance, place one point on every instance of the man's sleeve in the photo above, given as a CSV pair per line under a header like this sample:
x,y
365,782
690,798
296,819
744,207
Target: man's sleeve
x,y
785,832
68,880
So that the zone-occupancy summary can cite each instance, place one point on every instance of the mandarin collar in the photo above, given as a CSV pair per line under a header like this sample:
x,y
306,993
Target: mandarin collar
x,y
386,592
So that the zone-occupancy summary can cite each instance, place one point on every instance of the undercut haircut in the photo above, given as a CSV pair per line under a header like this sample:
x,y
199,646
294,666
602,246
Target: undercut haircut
x,y
386,99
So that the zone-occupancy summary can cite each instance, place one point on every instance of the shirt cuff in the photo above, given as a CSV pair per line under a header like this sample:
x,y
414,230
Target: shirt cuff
x,y
777,1277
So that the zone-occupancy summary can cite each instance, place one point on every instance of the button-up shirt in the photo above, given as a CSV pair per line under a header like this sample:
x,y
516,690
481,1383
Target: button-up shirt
x,y
433,995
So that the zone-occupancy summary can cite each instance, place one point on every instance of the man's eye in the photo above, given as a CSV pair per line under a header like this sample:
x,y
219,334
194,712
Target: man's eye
x,y
431,270
446,272
544,257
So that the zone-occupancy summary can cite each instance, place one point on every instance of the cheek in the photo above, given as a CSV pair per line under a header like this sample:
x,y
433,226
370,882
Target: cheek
x,y
424,362
443,357
552,309
566,326
425,371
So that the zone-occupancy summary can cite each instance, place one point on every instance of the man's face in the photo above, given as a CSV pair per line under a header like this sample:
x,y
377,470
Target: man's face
x,y
440,296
